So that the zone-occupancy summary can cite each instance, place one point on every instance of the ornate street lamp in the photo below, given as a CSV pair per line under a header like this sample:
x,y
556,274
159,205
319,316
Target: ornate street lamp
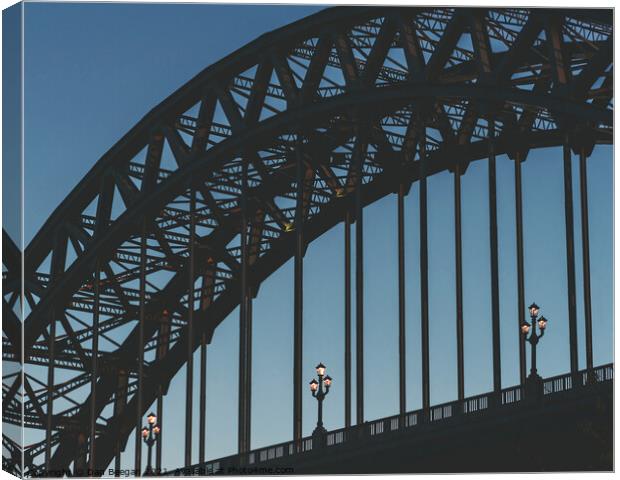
x,y
150,435
534,380
319,393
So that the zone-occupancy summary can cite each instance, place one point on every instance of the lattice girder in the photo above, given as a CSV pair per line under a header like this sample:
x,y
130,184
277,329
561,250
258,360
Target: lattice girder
x,y
351,81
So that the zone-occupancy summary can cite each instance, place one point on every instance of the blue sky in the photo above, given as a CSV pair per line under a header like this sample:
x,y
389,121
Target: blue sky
x,y
92,71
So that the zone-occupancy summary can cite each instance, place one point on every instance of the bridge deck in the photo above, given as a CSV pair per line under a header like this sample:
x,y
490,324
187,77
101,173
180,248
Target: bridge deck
x,y
563,400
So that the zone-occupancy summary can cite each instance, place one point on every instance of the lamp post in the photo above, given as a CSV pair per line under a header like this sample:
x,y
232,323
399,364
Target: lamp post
x,y
534,381
150,435
319,393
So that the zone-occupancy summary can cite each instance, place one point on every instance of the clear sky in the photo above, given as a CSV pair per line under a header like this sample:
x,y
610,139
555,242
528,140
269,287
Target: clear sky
x,y
92,71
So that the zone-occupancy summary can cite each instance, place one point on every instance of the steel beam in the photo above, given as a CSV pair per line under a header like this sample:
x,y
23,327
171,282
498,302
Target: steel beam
x,y
244,325
585,244
426,396
141,320
248,388
189,376
298,299
495,320
359,282
94,357
316,68
202,439
520,270
50,390
117,462
120,400
59,255
401,301
458,268
570,256
160,421
347,315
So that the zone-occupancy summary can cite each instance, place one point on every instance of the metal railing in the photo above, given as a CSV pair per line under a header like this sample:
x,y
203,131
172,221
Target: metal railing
x,y
471,405
563,383
512,395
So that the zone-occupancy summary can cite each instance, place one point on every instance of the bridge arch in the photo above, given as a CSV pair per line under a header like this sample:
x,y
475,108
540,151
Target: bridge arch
x,y
271,138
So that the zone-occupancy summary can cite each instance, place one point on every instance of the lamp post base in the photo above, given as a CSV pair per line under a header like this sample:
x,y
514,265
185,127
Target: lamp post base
x,y
591,377
534,388
319,437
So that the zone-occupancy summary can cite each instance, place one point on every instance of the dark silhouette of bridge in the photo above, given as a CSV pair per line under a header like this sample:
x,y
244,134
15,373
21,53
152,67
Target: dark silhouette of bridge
x,y
272,146
569,422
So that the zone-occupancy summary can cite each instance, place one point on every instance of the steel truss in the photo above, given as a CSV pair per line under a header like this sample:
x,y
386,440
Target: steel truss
x,y
254,158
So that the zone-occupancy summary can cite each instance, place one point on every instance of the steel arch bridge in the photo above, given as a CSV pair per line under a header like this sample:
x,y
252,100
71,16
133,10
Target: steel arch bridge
x,y
266,150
